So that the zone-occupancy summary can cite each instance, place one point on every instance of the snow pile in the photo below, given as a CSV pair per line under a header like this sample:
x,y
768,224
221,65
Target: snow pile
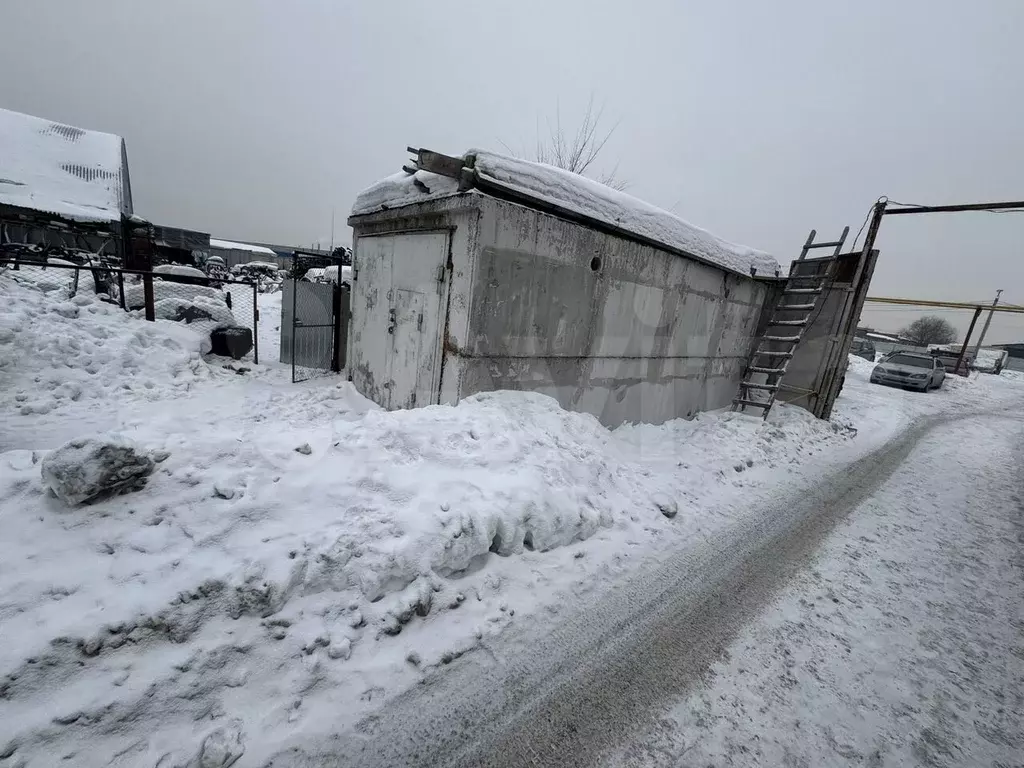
x,y
135,295
576,195
60,169
53,353
179,270
403,189
273,544
205,314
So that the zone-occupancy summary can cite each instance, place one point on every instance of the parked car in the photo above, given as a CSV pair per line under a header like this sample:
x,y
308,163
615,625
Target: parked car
x,y
911,370
863,348
949,358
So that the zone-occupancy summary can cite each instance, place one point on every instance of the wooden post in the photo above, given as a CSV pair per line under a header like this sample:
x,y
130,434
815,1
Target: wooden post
x,y
967,340
120,289
147,290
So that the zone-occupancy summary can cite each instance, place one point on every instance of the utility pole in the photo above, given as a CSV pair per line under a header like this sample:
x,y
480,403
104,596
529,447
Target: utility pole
x,y
988,321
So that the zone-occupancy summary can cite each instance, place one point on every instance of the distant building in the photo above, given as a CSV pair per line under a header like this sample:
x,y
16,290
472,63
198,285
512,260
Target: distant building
x,y
235,253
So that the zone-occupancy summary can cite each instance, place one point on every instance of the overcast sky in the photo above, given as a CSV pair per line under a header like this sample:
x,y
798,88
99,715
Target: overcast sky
x,y
756,120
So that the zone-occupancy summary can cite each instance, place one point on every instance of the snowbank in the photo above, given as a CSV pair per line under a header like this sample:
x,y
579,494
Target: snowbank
x,y
54,353
135,295
576,195
299,551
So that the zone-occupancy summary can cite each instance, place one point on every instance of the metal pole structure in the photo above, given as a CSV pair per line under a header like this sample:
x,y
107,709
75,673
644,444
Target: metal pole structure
x,y
988,322
1001,206
869,239
967,340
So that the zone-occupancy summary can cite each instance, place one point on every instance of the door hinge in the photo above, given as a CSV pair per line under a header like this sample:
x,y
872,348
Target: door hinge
x,y
419,322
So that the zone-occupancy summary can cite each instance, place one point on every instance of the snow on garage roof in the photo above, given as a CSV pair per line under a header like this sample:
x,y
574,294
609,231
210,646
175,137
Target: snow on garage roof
x,y
230,245
571,194
60,169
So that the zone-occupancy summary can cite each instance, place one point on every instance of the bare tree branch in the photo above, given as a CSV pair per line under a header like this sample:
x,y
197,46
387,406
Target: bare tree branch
x,y
576,153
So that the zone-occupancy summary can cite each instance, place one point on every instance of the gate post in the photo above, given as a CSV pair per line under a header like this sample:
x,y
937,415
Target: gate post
x,y
343,311
255,326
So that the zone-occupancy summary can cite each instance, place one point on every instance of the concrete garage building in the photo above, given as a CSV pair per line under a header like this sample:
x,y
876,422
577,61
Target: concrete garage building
x,y
503,274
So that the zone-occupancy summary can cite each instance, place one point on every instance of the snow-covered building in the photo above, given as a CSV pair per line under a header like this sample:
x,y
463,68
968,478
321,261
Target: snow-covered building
x,y
496,273
60,184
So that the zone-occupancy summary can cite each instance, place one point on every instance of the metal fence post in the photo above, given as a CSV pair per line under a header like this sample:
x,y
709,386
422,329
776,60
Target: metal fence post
x,y
255,327
295,308
335,331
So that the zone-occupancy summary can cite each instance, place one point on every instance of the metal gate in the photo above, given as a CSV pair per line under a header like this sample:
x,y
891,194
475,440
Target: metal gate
x,y
314,323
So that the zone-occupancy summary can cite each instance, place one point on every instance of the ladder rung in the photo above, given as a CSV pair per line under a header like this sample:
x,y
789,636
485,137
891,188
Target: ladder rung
x,y
741,401
773,354
825,245
769,387
788,322
782,339
795,307
802,290
769,371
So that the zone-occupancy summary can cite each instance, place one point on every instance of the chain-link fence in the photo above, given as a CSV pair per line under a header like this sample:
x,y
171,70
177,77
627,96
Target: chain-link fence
x,y
225,310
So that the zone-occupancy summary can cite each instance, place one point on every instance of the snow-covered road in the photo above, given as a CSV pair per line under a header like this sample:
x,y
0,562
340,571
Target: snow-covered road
x,y
876,620
902,643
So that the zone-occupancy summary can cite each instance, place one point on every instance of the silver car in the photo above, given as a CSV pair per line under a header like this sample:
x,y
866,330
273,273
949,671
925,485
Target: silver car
x,y
911,370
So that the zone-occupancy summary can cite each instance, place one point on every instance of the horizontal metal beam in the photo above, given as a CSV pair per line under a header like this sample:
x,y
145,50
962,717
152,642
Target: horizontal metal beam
x,y
947,304
955,208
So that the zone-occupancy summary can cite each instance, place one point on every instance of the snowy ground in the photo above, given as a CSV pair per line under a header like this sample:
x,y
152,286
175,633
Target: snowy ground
x,y
254,594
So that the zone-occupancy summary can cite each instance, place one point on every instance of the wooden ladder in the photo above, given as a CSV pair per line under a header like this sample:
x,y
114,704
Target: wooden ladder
x,y
790,318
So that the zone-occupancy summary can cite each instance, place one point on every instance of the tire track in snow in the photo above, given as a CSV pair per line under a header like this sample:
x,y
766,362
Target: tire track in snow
x,y
566,698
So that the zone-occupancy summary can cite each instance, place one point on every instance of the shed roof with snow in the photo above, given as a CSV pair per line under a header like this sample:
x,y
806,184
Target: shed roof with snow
x,y
74,173
565,194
